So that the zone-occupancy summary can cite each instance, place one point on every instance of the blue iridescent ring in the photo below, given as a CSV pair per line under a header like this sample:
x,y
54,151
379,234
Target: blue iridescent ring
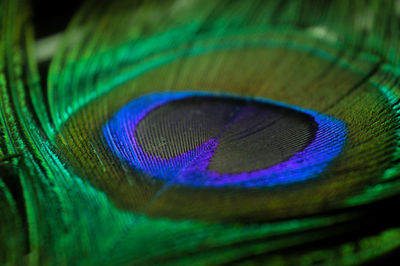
x,y
192,167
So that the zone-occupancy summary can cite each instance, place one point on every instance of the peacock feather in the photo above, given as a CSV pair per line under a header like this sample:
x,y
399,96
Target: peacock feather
x,y
191,132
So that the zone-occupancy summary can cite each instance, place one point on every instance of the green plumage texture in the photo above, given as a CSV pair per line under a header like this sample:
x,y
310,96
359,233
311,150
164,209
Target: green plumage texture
x,y
66,199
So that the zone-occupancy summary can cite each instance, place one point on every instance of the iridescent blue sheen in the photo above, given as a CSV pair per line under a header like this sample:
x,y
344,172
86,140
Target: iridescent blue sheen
x,y
191,168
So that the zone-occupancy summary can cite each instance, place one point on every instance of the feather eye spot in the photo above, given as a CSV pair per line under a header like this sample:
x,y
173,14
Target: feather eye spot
x,y
202,139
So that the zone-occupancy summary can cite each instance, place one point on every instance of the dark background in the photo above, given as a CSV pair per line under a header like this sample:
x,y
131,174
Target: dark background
x,y
50,17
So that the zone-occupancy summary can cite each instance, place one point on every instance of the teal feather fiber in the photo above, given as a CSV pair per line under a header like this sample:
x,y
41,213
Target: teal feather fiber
x,y
68,197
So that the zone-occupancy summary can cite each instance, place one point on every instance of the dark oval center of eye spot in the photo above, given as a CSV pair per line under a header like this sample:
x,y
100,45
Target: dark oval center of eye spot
x,y
251,135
